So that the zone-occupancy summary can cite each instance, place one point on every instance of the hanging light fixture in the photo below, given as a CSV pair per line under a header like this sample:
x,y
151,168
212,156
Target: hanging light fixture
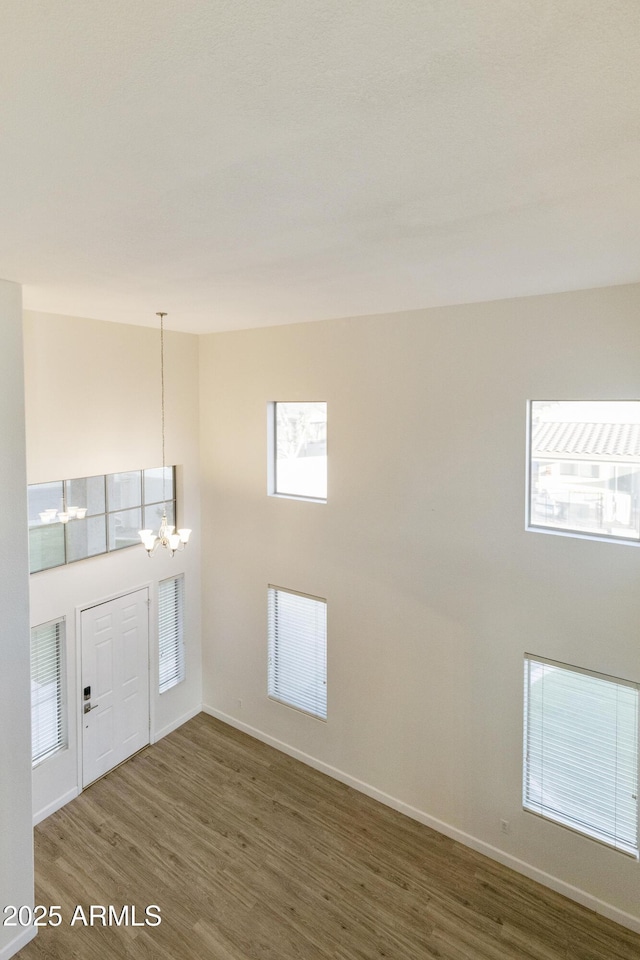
x,y
165,536
67,513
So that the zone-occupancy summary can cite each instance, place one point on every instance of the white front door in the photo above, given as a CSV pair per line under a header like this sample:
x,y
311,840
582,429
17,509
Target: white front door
x,y
115,682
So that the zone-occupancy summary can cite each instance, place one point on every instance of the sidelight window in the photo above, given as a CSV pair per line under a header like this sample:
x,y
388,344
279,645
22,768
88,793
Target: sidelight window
x,y
48,726
171,632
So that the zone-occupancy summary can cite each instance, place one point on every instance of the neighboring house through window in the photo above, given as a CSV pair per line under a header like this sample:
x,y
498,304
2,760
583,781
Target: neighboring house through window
x,y
584,467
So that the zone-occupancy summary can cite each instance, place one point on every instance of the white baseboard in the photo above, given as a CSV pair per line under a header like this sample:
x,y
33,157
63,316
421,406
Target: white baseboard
x,y
54,805
159,734
21,940
494,853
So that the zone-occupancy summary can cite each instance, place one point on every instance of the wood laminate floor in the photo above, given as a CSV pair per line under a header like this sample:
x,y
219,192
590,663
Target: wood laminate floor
x,y
251,854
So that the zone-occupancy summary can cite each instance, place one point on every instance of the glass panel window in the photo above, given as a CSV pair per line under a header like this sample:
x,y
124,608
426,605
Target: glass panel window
x,y
86,493
123,528
45,500
297,640
153,515
300,450
581,751
86,538
104,514
158,485
46,547
48,734
584,467
124,490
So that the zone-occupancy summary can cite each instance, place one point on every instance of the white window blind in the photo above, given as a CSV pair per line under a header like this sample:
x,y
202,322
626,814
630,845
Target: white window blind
x,y
48,733
170,632
581,751
298,650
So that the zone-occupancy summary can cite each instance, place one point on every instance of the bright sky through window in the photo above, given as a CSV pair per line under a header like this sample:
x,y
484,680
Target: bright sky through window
x,y
301,449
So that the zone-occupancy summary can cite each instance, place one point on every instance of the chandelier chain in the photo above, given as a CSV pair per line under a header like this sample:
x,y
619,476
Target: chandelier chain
x,y
162,316
166,537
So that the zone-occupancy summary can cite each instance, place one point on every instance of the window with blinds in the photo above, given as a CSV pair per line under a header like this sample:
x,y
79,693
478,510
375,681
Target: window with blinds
x,y
170,632
581,751
48,728
297,636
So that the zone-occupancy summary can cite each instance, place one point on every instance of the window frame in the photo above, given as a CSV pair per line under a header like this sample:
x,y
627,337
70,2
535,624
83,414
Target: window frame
x,y
274,691
567,751
272,452
175,643
62,738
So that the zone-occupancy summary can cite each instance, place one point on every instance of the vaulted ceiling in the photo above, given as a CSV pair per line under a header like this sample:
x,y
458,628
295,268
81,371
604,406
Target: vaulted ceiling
x,y
239,163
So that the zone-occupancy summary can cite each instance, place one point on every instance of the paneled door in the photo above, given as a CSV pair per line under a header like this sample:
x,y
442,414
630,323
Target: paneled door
x,y
115,682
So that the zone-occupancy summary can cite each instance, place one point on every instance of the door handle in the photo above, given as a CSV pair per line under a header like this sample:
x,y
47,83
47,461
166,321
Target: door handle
x,y
87,707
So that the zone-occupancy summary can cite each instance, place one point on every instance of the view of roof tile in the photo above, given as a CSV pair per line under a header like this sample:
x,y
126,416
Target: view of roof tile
x,y
586,439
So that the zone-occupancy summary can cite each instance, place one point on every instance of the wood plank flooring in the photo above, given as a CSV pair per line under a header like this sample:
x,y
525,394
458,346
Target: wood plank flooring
x,y
252,855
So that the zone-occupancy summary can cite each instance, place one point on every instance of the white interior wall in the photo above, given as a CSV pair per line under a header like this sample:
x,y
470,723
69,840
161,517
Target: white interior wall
x,y
16,842
93,407
434,589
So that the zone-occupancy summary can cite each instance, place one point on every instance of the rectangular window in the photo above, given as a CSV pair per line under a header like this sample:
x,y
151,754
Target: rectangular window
x,y
584,467
170,632
581,751
103,514
297,634
298,450
48,728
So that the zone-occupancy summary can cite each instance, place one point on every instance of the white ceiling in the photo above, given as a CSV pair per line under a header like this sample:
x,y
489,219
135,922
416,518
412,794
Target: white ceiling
x,y
239,163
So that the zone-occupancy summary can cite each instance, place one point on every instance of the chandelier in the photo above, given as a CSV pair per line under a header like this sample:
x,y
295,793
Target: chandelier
x,y
165,536
53,515
63,516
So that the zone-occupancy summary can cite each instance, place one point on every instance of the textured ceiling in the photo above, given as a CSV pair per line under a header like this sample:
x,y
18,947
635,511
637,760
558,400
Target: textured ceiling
x,y
247,162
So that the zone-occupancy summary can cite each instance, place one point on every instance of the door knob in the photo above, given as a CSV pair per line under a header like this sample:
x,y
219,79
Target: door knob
x,y
87,707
